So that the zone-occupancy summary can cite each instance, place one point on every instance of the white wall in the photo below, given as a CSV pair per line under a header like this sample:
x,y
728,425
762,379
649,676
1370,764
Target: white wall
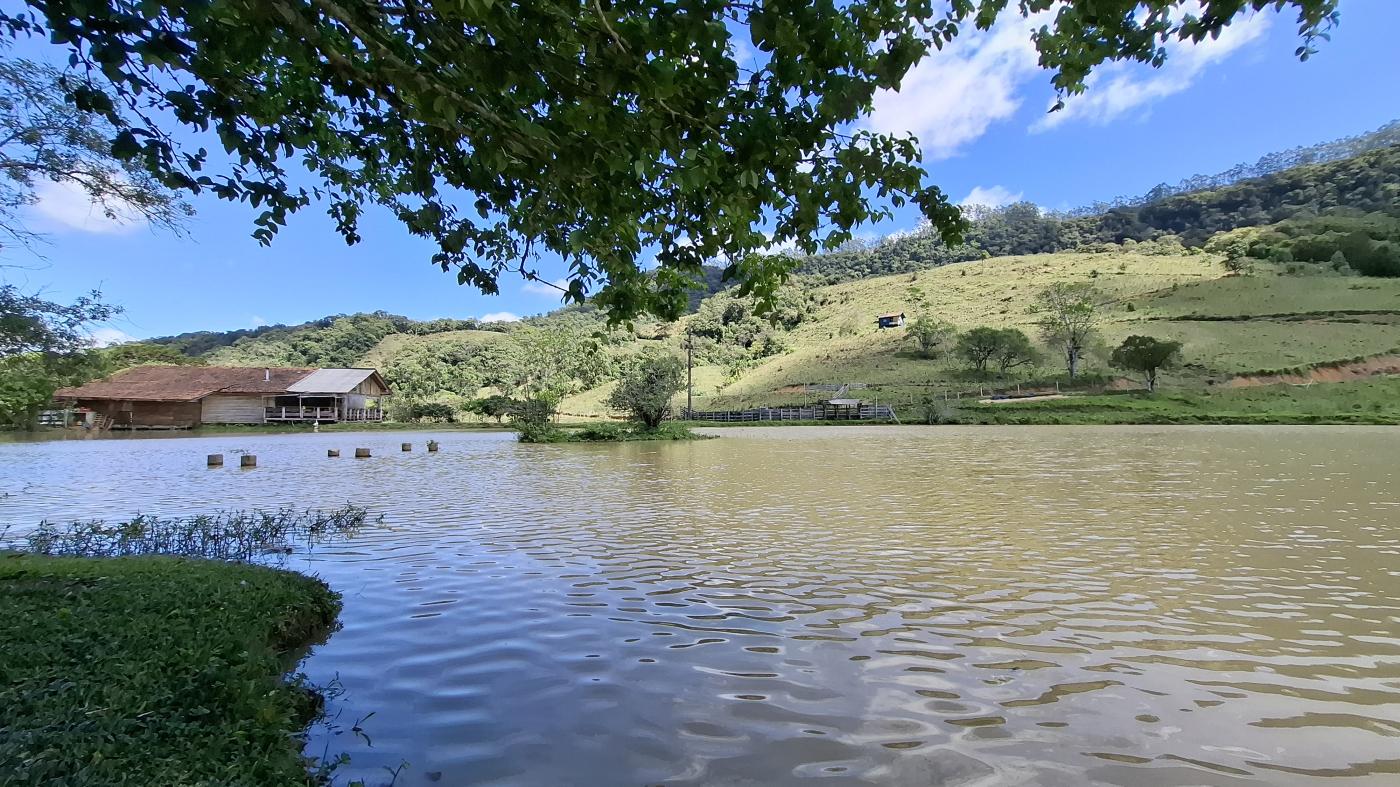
x,y
225,409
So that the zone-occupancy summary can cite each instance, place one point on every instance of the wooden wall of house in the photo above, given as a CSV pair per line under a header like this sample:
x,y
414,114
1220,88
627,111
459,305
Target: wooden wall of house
x,y
232,409
178,415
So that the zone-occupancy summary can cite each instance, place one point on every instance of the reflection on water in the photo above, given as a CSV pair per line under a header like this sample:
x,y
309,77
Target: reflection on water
x,y
1049,606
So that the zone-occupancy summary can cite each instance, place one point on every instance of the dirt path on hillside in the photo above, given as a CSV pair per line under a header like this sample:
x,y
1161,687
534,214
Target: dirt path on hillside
x,y
1388,363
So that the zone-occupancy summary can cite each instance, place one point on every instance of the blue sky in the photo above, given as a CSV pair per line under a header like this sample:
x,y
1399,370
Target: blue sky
x,y
978,108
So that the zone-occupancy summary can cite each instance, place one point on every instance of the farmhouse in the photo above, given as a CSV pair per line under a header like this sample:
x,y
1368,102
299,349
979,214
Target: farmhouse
x,y
892,320
183,397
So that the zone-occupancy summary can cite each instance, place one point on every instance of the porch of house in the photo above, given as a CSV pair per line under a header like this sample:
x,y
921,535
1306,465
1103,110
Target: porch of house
x,y
322,409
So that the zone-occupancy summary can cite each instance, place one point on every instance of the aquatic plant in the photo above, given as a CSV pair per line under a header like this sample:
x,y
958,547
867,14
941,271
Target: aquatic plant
x,y
239,536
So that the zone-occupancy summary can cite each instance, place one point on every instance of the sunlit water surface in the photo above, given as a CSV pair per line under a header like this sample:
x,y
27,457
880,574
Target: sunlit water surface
x,y
1048,606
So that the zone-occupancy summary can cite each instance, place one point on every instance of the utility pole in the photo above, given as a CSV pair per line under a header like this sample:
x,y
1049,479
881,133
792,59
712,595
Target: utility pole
x,y
689,373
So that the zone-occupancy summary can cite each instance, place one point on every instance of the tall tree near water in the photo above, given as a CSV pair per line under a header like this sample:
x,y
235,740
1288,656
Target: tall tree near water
x,y
42,347
604,132
1068,313
647,386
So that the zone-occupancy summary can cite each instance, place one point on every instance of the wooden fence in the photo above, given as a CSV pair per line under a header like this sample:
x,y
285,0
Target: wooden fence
x,y
867,412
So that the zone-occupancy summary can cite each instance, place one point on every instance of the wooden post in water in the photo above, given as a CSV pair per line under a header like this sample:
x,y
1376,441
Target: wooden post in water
x,y
216,460
361,453
247,460
432,446
332,453
405,446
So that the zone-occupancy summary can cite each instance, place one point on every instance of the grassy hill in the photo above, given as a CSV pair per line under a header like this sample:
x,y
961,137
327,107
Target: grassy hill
x,y
1230,326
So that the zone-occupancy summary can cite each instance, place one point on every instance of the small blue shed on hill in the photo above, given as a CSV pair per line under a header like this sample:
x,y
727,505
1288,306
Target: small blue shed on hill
x,y
890,320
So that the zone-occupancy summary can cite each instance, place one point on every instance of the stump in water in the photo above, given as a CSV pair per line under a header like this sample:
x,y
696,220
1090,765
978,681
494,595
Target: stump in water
x,y
216,460
361,453
332,453
405,446
432,446
247,460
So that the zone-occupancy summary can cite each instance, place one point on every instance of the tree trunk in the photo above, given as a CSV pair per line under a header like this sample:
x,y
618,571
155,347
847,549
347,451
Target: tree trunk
x,y
1151,380
1072,359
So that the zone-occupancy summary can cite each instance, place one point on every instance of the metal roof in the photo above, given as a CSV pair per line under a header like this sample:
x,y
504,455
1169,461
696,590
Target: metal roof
x,y
330,381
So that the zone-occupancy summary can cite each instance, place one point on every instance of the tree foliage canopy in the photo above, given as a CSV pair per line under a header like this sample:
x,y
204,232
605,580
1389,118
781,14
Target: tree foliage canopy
x,y
1068,313
647,385
1146,355
43,345
602,132
44,137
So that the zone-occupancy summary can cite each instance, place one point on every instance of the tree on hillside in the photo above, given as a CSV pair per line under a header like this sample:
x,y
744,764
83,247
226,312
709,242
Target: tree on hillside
x,y
47,142
932,336
545,364
1015,350
1068,313
425,370
647,386
605,133
978,345
1146,355
43,346
1237,257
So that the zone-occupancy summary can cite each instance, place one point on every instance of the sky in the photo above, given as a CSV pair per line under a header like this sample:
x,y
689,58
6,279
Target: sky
x,y
978,108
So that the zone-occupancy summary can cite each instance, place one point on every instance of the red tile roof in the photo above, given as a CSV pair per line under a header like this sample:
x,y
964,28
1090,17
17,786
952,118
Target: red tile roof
x,y
185,383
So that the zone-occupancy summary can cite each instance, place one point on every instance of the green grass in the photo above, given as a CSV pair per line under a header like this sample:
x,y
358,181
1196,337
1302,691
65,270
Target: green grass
x,y
1375,401
605,433
153,671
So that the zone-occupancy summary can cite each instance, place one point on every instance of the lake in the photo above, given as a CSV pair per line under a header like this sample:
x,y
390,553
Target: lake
x,y
1022,605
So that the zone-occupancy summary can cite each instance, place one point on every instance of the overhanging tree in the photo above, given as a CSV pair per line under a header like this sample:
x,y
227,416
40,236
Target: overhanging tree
x,y
604,132
44,137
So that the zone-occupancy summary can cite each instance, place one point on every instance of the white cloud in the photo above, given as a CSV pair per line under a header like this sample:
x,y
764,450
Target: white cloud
x,y
500,317
1120,88
257,321
106,337
550,289
67,205
990,197
952,96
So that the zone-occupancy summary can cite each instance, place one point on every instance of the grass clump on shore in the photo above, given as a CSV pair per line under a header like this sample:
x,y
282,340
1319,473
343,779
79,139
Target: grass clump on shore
x,y
227,535
154,670
604,433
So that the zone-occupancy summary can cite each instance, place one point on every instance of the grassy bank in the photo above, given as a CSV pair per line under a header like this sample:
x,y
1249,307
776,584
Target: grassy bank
x,y
605,432
1374,401
153,670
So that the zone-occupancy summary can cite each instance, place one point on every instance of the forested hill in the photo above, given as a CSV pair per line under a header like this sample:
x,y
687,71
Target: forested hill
x,y
1365,183
339,340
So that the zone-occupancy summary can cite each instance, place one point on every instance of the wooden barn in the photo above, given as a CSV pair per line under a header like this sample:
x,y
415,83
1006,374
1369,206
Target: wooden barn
x,y
183,397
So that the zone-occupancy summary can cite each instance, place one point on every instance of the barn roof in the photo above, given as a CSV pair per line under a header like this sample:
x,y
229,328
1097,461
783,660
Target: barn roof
x,y
891,315
333,381
185,383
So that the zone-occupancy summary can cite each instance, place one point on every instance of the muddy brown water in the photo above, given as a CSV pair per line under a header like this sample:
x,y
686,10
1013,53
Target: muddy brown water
x,y
853,605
